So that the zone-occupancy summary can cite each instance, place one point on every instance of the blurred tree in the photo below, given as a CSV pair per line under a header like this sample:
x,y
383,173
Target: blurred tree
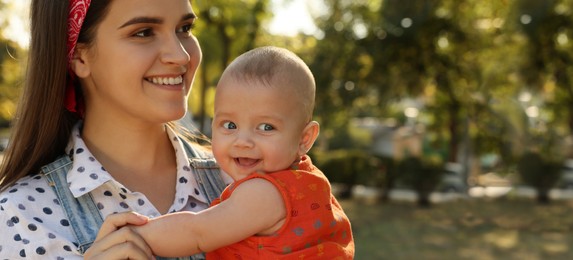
x,y
422,175
11,64
423,49
347,168
341,64
540,172
10,79
495,116
547,70
455,55
3,9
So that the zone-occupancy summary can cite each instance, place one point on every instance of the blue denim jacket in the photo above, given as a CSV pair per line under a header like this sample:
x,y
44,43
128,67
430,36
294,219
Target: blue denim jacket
x,y
84,215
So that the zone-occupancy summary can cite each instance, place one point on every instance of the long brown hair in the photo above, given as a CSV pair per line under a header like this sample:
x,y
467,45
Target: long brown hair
x,y
42,125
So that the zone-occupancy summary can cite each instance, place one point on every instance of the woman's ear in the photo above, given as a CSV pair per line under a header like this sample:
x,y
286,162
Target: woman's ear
x,y
308,137
79,63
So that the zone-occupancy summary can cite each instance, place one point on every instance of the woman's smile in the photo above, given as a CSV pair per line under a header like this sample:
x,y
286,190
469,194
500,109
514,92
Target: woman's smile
x,y
166,80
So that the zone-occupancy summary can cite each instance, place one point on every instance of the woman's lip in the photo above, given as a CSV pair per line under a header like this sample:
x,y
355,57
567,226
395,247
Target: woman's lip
x,y
167,80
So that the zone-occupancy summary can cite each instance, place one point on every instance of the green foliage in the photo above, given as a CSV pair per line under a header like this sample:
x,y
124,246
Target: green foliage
x,y
467,61
546,27
539,172
348,138
11,74
388,172
424,176
341,63
422,48
348,167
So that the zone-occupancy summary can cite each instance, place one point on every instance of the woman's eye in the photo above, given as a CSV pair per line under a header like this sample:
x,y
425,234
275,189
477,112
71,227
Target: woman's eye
x,y
144,33
186,28
266,127
229,125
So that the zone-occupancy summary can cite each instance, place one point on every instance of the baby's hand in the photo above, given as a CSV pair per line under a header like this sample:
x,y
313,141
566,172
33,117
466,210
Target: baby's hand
x,y
116,239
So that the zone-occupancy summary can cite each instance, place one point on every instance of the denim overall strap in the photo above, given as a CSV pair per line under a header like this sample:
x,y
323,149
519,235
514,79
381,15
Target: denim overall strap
x,y
82,212
206,172
84,215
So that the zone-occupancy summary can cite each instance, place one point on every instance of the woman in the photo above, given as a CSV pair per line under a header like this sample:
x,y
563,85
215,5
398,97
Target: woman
x,y
93,133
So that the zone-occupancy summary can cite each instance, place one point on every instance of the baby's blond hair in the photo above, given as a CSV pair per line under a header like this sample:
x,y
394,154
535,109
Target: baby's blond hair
x,y
276,67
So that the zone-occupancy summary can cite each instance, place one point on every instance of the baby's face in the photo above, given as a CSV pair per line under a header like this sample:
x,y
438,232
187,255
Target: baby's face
x,y
256,128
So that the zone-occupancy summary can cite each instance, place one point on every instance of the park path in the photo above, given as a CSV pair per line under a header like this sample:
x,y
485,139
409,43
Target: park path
x,y
369,193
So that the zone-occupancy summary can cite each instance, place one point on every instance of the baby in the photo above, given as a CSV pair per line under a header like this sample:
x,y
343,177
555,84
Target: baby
x,y
280,205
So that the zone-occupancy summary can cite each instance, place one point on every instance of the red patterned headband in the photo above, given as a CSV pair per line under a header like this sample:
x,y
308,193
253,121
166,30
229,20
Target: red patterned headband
x,y
76,16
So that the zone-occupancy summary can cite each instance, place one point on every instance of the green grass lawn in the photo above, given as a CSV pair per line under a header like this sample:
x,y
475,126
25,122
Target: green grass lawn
x,y
504,228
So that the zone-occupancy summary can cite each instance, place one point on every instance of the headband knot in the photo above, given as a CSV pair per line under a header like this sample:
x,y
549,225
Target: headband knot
x,y
76,17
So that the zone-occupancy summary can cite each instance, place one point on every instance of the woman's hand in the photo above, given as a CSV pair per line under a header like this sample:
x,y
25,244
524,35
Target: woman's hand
x,y
117,240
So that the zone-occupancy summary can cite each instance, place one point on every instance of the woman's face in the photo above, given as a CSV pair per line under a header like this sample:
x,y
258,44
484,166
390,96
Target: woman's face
x,y
142,63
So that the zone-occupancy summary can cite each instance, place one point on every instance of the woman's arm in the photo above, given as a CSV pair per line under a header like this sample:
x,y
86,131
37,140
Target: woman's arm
x,y
255,207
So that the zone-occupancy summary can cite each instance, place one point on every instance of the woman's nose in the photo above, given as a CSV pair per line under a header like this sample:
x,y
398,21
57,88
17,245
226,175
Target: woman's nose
x,y
174,52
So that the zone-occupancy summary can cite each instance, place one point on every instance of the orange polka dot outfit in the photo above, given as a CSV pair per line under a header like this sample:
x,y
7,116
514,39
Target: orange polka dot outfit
x,y
315,226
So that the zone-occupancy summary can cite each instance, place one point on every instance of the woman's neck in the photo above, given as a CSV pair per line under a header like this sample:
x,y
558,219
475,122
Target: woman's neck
x,y
141,159
129,149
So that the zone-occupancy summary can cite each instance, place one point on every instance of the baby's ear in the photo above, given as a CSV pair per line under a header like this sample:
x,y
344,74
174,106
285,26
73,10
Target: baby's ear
x,y
79,63
308,137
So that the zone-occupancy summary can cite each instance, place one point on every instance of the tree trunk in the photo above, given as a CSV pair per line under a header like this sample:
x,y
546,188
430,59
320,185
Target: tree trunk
x,y
346,192
570,121
453,128
424,199
569,150
387,187
258,9
453,111
543,196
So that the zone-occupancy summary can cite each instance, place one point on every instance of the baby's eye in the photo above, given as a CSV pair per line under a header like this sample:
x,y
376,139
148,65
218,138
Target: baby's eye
x,y
266,127
229,125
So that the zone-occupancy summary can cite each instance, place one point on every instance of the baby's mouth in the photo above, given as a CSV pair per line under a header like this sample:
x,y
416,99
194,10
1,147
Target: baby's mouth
x,y
246,162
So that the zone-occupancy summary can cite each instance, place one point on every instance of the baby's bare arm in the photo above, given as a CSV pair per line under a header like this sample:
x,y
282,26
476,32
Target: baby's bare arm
x,y
255,207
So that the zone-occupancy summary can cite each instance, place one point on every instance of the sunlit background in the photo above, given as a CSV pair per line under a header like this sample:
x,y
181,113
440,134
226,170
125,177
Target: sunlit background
x,y
290,18
446,125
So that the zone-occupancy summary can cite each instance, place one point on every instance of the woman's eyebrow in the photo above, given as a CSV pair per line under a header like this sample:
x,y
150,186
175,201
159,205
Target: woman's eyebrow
x,y
153,20
188,16
142,19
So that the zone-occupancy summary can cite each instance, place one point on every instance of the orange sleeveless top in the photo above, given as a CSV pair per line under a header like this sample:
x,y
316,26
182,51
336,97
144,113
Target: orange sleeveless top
x,y
315,226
